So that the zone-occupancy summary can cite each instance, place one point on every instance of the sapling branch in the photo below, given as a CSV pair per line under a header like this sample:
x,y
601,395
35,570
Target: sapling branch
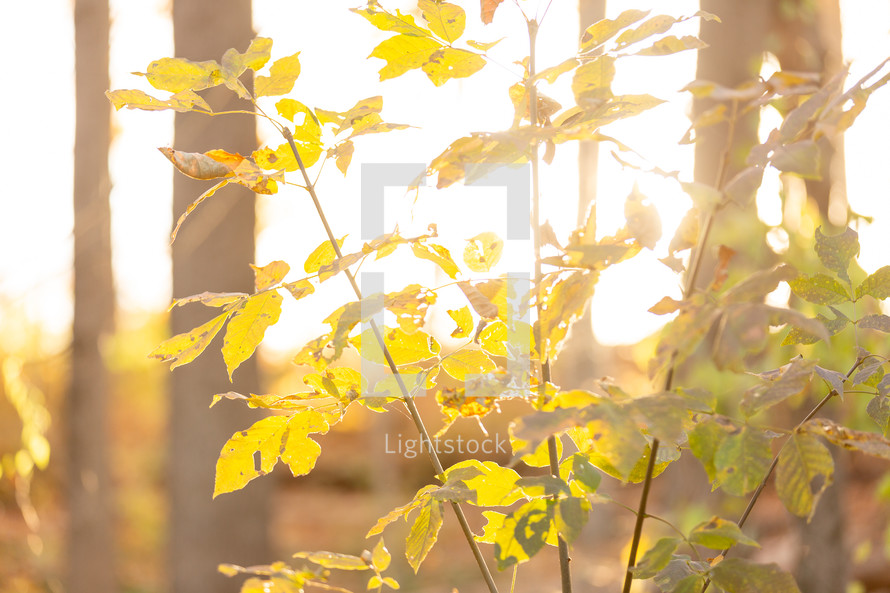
x,y
407,398
772,466
552,450
695,264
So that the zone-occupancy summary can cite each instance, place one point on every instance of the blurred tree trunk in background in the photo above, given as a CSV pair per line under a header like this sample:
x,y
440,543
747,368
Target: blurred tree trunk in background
x,y
91,567
581,357
211,253
805,36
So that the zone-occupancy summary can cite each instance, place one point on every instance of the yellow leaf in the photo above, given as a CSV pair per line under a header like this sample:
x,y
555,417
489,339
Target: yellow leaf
x,y
186,347
210,299
283,74
403,53
135,99
343,154
483,251
235,63
592,81
447,63
323,255
248,174
465,363
283,157
464,321
445,19
195,204
300,288
438,254
236,467
360,111
178,74
247,327
300,452
307,128
270,274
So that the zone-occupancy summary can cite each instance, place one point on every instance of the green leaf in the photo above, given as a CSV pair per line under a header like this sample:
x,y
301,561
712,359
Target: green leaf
x,y
424,533
719,534
875,321
742,460
178,74
524,532
820,289
445,19
705,440
672,44
879,411
571,516
877,285
603,30
655,558
592,81
403,53
185,347
869,443
778,385
802,158
282,76
332,560
615,437
585,473
736,575
463,364
837,251
663,414
248,326
805,470
448,62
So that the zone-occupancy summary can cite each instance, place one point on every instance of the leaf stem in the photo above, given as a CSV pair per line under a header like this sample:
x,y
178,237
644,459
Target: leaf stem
x,y
563,547
775,461
407,398
695,264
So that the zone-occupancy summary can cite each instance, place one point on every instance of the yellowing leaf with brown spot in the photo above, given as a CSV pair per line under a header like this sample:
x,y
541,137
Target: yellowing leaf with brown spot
x,y
307,128
185,347
447,63
199,165
247,327
283,74
343,155
403,53
270,274
466,363
483,251
445,19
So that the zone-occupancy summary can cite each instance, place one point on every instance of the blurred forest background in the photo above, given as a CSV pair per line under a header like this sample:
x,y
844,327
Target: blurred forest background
x,y
107,458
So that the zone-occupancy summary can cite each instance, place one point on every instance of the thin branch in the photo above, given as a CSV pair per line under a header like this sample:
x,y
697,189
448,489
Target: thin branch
x,y
407,398
775,461
564,570
695,265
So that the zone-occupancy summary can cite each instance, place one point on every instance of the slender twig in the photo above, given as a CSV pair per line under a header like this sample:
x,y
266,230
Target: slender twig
x,y
407,398
564,570
772,466
695,264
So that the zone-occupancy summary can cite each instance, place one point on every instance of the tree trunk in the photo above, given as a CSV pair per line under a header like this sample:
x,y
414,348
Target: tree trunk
x,y
90,538
211,253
